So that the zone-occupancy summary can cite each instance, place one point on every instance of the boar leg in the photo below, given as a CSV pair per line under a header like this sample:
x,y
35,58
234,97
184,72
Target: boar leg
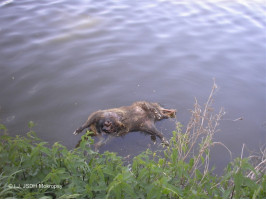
x,y
152,130
85,125
102,141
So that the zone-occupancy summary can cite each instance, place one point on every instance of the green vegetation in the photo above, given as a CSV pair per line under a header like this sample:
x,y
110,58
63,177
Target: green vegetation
x,y
179,171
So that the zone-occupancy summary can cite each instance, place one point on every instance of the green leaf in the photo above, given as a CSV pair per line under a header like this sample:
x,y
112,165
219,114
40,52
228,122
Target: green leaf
x,y
2,127
174,155
191,162
238,182
153,191
115,186
202,159
172,189
128,190
31,124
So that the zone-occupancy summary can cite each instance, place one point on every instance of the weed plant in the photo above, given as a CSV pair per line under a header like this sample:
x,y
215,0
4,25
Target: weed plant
x,y
29,168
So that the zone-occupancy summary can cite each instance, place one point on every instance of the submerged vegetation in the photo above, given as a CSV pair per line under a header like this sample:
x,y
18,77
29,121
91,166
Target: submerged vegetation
x,y
29,168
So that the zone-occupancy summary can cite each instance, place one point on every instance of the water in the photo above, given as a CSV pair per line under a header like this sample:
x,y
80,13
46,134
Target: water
x,y
62,60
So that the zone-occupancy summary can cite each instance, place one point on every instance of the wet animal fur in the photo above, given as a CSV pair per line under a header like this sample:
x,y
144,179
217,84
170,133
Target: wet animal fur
x,y
140,116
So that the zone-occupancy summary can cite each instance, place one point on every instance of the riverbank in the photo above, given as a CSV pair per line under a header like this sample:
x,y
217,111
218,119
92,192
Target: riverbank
x,y
29,168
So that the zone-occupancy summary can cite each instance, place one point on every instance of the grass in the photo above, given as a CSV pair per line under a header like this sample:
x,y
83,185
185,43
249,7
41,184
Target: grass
x,y
29,168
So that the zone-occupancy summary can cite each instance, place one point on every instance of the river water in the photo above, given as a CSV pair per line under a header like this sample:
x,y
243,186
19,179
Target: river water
x,y
60,60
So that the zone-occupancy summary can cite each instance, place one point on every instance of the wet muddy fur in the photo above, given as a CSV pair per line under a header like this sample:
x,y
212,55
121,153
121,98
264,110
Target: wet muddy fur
x,y
140,116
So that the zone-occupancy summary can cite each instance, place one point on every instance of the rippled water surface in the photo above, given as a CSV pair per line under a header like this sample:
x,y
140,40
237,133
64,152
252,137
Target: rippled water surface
x,y
60,60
